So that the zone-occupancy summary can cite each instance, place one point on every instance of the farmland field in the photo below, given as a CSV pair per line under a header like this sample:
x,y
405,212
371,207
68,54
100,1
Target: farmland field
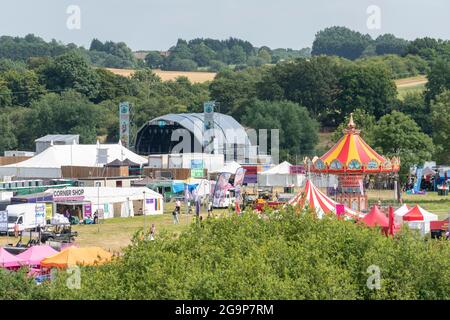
x,y
410,85
194,77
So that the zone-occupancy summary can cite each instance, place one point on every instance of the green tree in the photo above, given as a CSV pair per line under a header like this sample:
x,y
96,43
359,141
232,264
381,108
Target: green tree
x,y
438,79
71,71
370,88
440,119
154,60
311,83
8,140
24,86
65,113
414,105
111,86
390,44
203,54
265,55
5,94
396,134
298,132
340,41
182,65
237,55
231,89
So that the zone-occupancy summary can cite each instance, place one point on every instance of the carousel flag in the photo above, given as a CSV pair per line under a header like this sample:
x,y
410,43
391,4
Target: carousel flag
x,y
220,189
391,220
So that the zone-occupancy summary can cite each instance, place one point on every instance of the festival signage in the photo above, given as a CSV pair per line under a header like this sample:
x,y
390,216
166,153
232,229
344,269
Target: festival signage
x,y
88,210
251,174
340,209
39,213
197,164
197,173
48,211
3,221
68,194
124,120
238,181
297,169
220,189
150,205
208,121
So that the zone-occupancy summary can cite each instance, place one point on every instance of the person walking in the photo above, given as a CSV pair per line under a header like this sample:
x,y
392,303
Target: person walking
x,y
175,216
210,208
178,205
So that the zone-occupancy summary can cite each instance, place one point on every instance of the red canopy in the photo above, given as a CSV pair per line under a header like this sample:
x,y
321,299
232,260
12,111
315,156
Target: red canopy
x,y
418,213
376,218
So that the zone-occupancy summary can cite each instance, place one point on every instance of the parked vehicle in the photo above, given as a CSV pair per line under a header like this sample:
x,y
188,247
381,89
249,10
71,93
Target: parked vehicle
x,y
26,216
59,233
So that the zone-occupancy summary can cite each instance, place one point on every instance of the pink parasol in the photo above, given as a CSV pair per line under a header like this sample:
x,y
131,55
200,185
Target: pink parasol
x,y
7,260
35,254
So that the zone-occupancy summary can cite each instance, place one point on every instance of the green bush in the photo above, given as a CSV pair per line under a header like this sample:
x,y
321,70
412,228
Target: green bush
x,y
283,256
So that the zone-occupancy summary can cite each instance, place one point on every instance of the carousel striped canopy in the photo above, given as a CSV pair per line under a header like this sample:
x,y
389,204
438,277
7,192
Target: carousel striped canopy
x,y
315,199
352,153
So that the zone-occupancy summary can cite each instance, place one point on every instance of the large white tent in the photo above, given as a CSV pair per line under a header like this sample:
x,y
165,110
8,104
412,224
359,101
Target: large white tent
x,y
280,176
118,201
48,163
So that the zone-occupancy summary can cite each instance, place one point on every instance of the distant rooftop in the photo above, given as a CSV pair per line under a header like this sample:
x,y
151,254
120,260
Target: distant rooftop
x,y
58,137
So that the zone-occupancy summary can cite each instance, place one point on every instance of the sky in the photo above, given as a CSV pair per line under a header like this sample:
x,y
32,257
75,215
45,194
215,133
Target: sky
x,y
157,24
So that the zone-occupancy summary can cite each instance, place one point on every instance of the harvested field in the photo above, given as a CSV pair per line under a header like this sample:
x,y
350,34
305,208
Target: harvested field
x,y
194,77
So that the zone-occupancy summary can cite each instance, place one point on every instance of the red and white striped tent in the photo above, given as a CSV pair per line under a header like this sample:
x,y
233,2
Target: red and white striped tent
x,y
315,199
420,219
417,213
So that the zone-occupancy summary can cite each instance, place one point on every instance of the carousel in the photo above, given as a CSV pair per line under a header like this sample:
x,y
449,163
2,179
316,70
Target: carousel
x,y
351,159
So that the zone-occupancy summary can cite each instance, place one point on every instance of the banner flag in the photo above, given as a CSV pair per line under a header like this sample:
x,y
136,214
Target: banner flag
x,y
220,189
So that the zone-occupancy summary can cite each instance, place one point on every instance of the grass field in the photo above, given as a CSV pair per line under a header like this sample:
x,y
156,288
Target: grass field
x,y
116,233
194,77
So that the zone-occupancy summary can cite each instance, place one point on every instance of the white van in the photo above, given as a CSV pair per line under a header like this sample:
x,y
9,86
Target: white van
x,y
26,216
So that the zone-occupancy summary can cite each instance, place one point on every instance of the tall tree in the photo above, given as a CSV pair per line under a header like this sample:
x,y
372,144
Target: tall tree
x,y
396,134
370,88
71,71
438,79
440,119
340,41
298,132
8,140
24,86
312,83
390,44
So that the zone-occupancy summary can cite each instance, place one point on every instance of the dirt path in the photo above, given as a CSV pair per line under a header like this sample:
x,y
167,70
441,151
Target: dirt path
x,y
411,82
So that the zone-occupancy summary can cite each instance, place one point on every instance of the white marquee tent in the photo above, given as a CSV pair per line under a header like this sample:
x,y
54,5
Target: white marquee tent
x,y
280,176
400,212
114,199
419,218
47,164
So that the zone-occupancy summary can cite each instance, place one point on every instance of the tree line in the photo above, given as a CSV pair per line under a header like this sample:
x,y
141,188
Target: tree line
x,y
62,92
